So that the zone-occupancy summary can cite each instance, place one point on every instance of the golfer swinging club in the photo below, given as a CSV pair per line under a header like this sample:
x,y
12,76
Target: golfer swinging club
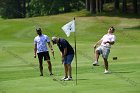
x,y
105,44
67,54
42,50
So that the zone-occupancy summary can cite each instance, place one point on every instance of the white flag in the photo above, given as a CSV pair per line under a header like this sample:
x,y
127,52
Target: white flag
x,y
69,27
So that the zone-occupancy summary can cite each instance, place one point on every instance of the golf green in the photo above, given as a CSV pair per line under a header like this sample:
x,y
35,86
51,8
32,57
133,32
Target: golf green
x,y
19,71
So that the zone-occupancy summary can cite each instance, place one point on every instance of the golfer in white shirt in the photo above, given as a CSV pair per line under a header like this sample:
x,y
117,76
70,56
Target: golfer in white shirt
x,y
42,50
105,44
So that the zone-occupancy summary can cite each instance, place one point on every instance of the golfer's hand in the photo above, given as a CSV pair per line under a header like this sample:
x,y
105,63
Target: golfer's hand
x,y
106,42
52,51
62,62
94,46
34,56
63,59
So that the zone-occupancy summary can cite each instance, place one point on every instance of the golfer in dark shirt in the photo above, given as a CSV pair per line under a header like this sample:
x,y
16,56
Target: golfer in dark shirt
x,y
67,53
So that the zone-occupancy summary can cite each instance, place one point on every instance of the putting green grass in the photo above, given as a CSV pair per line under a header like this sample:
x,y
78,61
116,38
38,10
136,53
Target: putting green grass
x,y
19,72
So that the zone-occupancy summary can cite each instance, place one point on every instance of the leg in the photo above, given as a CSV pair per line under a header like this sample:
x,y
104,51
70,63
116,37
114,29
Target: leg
x,y
41,67
67,66
40,58
69,61
66,70
106,63
70,70
49,67
105,55
97,54
47,57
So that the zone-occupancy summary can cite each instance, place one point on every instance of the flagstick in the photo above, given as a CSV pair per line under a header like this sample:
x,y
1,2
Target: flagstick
x,y
67,28
75,53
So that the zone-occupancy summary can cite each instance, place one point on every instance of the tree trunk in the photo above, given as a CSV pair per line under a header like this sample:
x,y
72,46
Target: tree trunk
x,y
19,9
24,8
116,5
88,5
67,7
102,3
135,8
124,6
28,7
97,6
92,6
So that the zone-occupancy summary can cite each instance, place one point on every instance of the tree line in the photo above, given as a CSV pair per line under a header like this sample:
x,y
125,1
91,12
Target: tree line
x,y
97,6
30,8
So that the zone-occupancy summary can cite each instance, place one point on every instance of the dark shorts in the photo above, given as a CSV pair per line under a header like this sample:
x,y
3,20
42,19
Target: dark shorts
x,y
44,55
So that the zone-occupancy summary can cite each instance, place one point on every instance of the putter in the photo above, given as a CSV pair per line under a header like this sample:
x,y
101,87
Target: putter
x,y
53,55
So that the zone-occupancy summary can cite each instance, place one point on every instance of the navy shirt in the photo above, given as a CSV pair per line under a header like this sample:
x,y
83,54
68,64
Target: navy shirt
x,y
64,44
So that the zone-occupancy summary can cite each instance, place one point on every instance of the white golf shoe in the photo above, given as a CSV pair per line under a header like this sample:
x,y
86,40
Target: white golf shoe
x,y
106,72
64,78
68,79
95,63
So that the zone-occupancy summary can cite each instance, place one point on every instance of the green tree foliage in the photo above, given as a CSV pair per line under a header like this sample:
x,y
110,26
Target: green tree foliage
x,y
29,8
135,6
120,6
12,8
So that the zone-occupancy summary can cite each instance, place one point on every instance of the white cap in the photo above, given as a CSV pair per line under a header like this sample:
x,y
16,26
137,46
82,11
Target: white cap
x,y
54,39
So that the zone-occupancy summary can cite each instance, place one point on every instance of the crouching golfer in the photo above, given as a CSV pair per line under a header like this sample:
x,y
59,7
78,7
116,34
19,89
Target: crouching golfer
x,y
67,53
105,44
42,50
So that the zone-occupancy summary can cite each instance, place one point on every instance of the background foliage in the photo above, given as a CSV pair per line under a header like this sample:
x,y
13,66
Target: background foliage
x,y
31,8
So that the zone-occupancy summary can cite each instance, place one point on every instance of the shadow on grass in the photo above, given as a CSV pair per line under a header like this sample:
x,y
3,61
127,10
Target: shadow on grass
x,y
82,79
123,72
135,28
16,66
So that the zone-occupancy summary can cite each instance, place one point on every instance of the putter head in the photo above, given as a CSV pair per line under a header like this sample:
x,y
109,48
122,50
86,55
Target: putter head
x,y
54,79
95,64
115,58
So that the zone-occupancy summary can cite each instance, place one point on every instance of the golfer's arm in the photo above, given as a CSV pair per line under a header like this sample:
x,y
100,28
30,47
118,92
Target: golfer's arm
x,y
111,43
98,43
65,52
50,46
35,49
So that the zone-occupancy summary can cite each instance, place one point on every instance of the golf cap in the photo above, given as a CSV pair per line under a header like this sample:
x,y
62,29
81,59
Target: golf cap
x,y
54,39
112,28
38,29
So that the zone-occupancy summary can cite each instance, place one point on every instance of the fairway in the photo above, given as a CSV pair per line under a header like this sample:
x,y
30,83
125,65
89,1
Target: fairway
x,y
19,72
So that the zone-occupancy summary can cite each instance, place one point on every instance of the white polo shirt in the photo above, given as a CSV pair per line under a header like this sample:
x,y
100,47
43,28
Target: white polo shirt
x,y
108,37
41,43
